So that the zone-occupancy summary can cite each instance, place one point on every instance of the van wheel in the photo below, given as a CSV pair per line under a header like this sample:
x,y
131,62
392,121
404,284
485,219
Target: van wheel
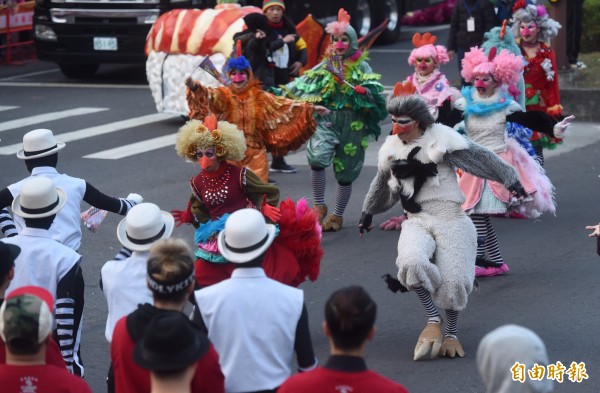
x,y
362,16
391,9
79,71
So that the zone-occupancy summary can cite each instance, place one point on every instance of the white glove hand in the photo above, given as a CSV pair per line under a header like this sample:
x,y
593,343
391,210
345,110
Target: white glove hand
x,y
136,198
560,128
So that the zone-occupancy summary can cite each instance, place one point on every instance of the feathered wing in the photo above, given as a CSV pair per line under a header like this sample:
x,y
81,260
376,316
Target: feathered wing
x,y
285,124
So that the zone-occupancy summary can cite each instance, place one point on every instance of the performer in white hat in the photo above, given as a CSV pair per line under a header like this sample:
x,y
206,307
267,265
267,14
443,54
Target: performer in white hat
x,y
248,304
40,153
46,263
124,281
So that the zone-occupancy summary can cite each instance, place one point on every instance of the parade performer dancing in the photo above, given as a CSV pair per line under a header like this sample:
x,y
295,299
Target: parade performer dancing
x,y
535,28
222,188
438,242
488,107
433,86
269,122
344,83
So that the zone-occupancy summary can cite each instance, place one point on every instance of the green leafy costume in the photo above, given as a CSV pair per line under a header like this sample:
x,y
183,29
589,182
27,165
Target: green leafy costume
x,y
342,135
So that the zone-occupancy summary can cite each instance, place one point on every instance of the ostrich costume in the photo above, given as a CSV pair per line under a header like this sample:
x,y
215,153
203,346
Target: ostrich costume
x,y
438,242
435,90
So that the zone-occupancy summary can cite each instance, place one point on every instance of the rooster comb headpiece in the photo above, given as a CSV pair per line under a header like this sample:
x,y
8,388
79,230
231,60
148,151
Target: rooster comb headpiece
x,y
227,140
404,102
339,27
425,48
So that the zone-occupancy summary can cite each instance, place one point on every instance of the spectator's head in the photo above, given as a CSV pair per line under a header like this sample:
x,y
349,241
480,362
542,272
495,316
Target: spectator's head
x,y
40,149
8,254
170,346
38,202
498,352
274,10
246,237
350,318
256,21
210,142
144,224
170,272
26,320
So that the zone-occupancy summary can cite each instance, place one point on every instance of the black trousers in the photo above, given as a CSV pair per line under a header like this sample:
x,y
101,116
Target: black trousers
x,y
574,21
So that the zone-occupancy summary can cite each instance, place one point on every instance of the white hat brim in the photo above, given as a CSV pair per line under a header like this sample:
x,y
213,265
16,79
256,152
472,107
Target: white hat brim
x,y
17,209
59,146
237,257
168,220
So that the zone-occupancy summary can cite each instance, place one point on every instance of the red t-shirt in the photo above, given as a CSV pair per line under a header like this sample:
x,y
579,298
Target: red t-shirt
x,y
40,379
53,355
130,378
328,380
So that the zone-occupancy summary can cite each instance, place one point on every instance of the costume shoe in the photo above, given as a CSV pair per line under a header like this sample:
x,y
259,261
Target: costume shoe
x,y
451,347
430,341
393,223
491,271
321,212
332,223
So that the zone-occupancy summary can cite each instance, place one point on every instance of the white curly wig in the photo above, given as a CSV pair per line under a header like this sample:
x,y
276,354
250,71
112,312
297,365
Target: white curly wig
x,y
538,14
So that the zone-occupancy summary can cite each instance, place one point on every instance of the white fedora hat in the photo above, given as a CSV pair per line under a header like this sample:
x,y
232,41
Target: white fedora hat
x,y
144,224
246,236
39,198
39,143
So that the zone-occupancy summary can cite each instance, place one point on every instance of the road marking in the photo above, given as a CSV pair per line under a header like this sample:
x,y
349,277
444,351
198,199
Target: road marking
x,y
134,148
76,85
30,74
96,131
7,108
45,117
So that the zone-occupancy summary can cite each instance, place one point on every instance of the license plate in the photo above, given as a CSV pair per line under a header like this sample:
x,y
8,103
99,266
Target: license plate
x,y
105,43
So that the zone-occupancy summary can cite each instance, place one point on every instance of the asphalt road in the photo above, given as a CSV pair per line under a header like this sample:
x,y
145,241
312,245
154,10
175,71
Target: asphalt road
x,y
551,287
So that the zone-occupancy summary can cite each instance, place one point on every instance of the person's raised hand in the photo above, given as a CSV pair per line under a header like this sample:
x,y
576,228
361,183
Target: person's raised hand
x,y
561,127
260,34
595,229
295,68
288,39
190,83
321,110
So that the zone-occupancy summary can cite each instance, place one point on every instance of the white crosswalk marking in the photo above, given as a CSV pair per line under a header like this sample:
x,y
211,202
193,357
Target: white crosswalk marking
x,y
45,117
7,108
95,131
134,148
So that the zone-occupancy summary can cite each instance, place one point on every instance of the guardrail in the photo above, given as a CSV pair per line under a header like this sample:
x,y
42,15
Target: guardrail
x,y
13,19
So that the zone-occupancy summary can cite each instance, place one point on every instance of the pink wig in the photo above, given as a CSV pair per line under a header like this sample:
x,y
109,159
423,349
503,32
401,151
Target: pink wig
x,y
505,67
438,53
339,27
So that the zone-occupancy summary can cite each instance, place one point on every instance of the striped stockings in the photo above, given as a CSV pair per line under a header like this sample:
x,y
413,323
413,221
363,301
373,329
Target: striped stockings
x,y
433,316
317,181
486,238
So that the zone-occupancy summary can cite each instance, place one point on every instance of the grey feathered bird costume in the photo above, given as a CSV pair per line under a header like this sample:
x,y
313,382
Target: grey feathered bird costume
x,y
438,243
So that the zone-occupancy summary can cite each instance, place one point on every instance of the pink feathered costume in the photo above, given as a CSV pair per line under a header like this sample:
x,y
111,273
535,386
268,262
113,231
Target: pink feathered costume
x,y
485,121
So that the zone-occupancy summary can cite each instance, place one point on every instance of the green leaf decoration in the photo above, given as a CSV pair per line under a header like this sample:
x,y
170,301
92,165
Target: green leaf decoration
x,y
338,166
364,143
357,125
350,149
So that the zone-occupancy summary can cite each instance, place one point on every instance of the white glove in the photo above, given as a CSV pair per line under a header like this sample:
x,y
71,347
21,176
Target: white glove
x,y
560,128
135,198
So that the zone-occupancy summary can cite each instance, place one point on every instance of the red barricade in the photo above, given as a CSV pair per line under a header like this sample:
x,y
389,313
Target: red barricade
x,y
15,19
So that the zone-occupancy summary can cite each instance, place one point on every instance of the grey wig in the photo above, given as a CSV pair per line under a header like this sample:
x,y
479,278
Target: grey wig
x,y
548,26
413,106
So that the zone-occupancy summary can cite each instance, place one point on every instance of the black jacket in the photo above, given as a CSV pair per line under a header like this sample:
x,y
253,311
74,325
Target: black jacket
x,y
485,19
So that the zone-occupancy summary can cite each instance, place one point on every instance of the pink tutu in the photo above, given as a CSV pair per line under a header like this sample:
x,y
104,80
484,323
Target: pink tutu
x,y
532,177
